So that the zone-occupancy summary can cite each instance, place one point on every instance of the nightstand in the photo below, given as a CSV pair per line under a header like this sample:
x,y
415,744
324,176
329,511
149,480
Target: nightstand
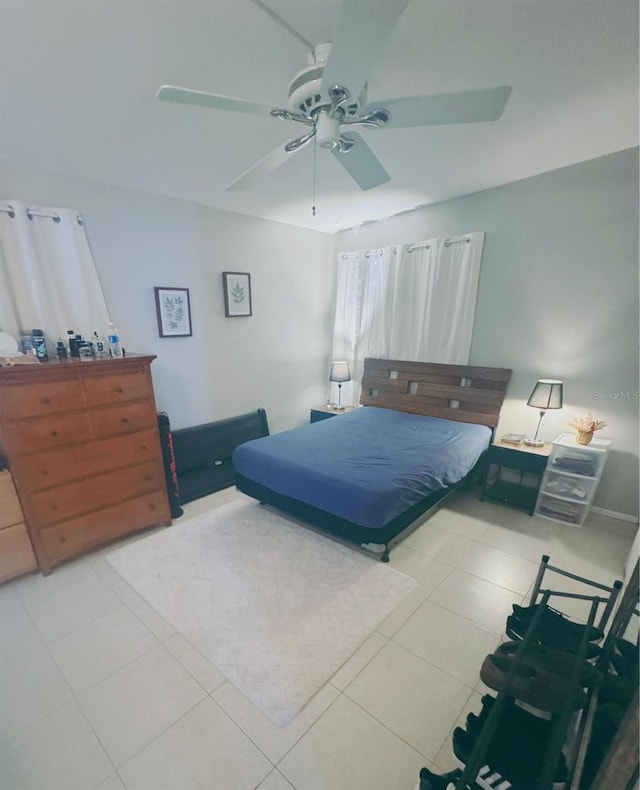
x,y
324,412
514,472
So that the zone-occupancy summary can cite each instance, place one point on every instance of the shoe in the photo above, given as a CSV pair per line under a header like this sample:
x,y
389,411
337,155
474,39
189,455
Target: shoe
x,y
617,690
550,634
514,722
553,620
510,758
625,658
628,650
431,781
623,667
475,721
549,659
535,687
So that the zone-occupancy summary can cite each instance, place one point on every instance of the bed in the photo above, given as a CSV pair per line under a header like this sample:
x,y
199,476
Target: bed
x,y
368,475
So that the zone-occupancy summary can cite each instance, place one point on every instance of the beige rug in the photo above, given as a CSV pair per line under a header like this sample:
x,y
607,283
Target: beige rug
x,y
276,607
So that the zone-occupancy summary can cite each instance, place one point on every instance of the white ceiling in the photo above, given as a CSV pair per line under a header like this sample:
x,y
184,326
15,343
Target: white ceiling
x,y
78,80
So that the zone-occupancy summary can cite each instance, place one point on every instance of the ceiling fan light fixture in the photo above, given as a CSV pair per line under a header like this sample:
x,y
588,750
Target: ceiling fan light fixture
x,y
327,130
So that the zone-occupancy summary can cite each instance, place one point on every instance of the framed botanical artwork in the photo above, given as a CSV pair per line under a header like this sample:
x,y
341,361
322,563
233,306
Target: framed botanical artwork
x,y
173,311
237,293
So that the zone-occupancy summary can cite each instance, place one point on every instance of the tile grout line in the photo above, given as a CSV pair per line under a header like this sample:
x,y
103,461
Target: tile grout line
x,y
74,698
395,734
439,669
159,735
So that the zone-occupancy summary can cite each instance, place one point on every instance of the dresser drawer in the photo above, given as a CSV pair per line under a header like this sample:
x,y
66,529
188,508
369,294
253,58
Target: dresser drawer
x,y
55,467
127,418
72,537
92,493
10,510
45,432
32,400
101,390
16,552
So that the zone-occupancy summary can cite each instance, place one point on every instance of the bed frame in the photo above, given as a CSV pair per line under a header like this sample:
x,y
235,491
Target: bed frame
x,y
465,393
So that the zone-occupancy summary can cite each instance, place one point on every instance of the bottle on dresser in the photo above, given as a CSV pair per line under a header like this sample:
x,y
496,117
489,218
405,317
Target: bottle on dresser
x,y
99,346
61,348
40,344
113,338
73,345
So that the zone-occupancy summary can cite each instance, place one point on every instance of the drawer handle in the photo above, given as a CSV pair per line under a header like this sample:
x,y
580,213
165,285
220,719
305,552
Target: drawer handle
x,y
46,401
119,390
54,433
45,472
54,507
143,446
125,419
152,506
62,539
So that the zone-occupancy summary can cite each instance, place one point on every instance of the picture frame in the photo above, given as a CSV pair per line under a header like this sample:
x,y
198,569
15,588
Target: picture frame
x,y
237,294
173,311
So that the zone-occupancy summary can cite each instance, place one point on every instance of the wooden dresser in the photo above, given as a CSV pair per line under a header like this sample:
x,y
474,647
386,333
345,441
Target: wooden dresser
x,y
82,444
16,553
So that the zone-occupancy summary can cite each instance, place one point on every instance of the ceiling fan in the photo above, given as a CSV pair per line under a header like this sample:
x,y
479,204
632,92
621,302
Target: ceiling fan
x,y
329,96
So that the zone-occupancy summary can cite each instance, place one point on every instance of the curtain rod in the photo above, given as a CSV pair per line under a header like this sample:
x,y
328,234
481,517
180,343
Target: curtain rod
x,y
31,214
412,247
447,243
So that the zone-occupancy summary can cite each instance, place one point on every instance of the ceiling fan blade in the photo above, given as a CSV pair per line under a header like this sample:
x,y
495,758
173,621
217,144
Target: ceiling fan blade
x,y
264,167
202,99
363,28
361,163
447,108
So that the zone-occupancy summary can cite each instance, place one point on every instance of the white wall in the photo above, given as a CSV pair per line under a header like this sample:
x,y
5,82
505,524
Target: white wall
x,y
558,296
278,359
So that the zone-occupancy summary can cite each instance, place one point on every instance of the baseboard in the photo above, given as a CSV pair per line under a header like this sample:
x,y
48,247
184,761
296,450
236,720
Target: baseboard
x,y
614,514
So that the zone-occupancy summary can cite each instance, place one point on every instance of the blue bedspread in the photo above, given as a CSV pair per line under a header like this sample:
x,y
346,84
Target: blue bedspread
x,y
366,466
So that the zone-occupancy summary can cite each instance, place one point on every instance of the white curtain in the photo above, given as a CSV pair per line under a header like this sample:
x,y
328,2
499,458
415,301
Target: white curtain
x,y
413,302
48,279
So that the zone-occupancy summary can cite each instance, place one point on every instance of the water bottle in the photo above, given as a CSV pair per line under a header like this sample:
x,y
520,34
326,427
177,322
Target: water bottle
x,y
40,344
114,342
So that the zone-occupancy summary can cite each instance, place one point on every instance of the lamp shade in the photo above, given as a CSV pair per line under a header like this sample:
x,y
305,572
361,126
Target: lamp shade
x,y
547,394
340,372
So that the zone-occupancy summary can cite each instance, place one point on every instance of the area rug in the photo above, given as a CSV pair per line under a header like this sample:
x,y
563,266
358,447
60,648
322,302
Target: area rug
x,y
276,607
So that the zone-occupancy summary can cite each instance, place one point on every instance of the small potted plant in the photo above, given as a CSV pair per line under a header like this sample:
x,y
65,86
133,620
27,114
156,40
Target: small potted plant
x,y
585,427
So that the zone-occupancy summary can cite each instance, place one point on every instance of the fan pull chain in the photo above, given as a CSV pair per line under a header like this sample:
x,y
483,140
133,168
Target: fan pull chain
x,y
280,21
315,154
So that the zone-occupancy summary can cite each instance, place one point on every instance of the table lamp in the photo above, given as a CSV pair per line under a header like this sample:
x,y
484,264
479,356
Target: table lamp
x,y
339,374
547,394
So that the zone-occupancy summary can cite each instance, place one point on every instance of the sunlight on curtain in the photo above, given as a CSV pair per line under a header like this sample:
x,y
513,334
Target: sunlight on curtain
x,y
413,302
48,279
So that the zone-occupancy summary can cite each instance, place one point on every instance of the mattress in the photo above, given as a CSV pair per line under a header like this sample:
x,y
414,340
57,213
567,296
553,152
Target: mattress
x,y
366,466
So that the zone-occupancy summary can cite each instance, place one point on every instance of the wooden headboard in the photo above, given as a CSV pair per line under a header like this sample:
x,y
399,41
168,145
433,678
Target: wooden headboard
x,y
454,392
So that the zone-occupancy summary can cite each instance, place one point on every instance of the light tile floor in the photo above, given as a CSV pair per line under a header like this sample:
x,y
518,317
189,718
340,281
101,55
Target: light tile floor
x,y
99,692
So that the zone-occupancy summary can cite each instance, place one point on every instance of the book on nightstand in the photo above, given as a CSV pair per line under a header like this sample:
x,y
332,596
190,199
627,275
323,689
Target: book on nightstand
x,y
512,438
